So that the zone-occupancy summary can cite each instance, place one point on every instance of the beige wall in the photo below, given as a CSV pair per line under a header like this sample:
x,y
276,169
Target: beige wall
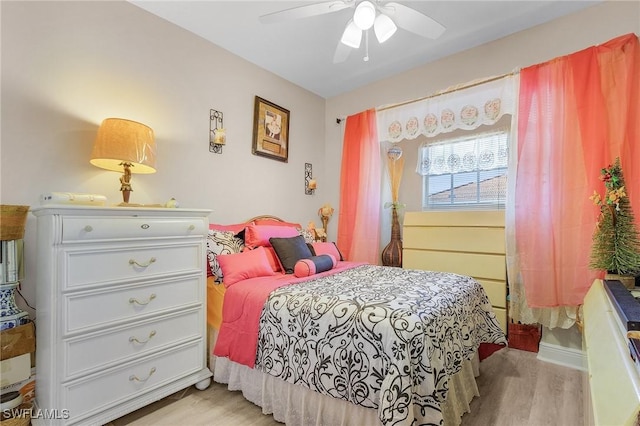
x,y
68,65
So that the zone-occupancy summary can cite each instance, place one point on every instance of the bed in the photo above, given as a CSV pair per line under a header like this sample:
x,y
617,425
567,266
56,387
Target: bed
x,y
337,342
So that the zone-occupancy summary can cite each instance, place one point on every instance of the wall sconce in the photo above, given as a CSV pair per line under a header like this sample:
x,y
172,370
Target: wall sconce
x,y
310,183
124,146
217,133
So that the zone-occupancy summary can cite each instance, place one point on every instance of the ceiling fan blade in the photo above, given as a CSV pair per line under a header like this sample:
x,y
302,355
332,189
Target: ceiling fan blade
x,y
342,53
412,20
305,11
352,35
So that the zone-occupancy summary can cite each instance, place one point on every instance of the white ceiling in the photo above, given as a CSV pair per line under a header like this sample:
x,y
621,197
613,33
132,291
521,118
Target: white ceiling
x,y
302,50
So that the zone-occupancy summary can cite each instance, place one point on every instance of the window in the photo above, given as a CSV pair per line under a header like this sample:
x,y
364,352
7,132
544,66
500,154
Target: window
x,y
465,172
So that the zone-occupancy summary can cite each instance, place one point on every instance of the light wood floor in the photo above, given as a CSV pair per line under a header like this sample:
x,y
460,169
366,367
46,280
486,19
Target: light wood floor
x,y
516,390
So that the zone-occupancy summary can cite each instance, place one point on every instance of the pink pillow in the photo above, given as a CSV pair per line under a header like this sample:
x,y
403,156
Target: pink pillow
x,y
241,266
236,227
314,265
319,248
273,259
272,222
258,235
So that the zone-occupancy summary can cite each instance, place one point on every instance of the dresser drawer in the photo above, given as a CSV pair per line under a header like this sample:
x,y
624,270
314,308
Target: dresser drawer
x,y
114,386
85,228
106,349
121,294
106,263
123,304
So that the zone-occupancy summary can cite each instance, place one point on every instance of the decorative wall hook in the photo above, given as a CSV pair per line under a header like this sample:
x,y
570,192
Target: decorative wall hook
x,y
217,133
310,183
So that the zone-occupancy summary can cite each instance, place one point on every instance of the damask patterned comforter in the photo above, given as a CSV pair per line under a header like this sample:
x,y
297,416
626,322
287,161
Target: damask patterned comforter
x,y
380,337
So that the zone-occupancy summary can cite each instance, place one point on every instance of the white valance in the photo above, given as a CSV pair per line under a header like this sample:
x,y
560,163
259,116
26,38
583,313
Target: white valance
x,y
466,108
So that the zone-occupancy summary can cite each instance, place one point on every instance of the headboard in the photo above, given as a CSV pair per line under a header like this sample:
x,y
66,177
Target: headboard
x,y
226,239
265,217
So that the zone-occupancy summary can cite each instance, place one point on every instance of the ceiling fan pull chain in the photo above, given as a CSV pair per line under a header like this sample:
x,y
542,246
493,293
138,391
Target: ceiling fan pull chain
x,y
366,46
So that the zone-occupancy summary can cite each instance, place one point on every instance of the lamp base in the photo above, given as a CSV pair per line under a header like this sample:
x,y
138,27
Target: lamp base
x,y
125,182
10,315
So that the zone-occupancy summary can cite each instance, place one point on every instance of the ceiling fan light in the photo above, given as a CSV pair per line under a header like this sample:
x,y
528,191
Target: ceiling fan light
x,y
384,27
352,35
364,15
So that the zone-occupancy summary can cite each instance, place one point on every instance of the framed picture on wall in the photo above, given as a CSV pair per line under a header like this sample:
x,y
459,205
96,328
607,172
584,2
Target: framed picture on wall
x,y
270,130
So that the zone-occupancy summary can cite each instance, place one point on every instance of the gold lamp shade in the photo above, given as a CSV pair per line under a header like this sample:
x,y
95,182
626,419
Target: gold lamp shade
x,y
126,146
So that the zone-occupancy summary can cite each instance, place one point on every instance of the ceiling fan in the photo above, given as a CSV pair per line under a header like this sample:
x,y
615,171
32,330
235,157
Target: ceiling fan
x,y
384,17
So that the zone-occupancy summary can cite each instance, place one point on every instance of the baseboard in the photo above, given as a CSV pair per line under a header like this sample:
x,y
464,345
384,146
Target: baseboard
x,y
568,357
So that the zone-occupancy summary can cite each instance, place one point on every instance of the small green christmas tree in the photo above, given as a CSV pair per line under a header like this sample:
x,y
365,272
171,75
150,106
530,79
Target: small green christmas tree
x,y
616,244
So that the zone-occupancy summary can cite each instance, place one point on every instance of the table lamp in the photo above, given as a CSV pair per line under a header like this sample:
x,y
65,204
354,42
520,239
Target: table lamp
x,y
124,146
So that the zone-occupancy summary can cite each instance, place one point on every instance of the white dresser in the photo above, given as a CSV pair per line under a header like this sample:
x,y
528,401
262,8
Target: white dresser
x,y
121,309
613,390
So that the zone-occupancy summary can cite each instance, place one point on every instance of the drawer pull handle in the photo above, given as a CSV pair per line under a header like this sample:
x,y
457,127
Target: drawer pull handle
x,y
144,226
134,300
135,339
192,227
88,228
142,265
134,378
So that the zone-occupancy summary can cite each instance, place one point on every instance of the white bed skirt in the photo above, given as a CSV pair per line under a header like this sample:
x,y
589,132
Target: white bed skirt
x,y
297,405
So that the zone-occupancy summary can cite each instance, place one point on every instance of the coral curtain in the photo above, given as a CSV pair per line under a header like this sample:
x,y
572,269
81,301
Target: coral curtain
x,y
575,115
359,214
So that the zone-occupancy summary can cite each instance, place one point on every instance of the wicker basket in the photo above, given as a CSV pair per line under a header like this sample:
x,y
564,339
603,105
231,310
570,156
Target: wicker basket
x,y
22,415
12,221
628,281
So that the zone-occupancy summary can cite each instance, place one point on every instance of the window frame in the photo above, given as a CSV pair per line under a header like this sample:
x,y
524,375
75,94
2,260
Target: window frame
x,y
502,132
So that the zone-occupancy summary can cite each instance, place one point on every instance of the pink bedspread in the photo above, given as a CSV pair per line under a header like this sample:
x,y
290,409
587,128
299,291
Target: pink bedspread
x,y
243,302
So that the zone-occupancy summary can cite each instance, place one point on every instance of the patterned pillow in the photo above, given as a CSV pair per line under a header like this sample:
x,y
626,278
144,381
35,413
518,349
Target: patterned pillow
x,y
308,234
221,242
